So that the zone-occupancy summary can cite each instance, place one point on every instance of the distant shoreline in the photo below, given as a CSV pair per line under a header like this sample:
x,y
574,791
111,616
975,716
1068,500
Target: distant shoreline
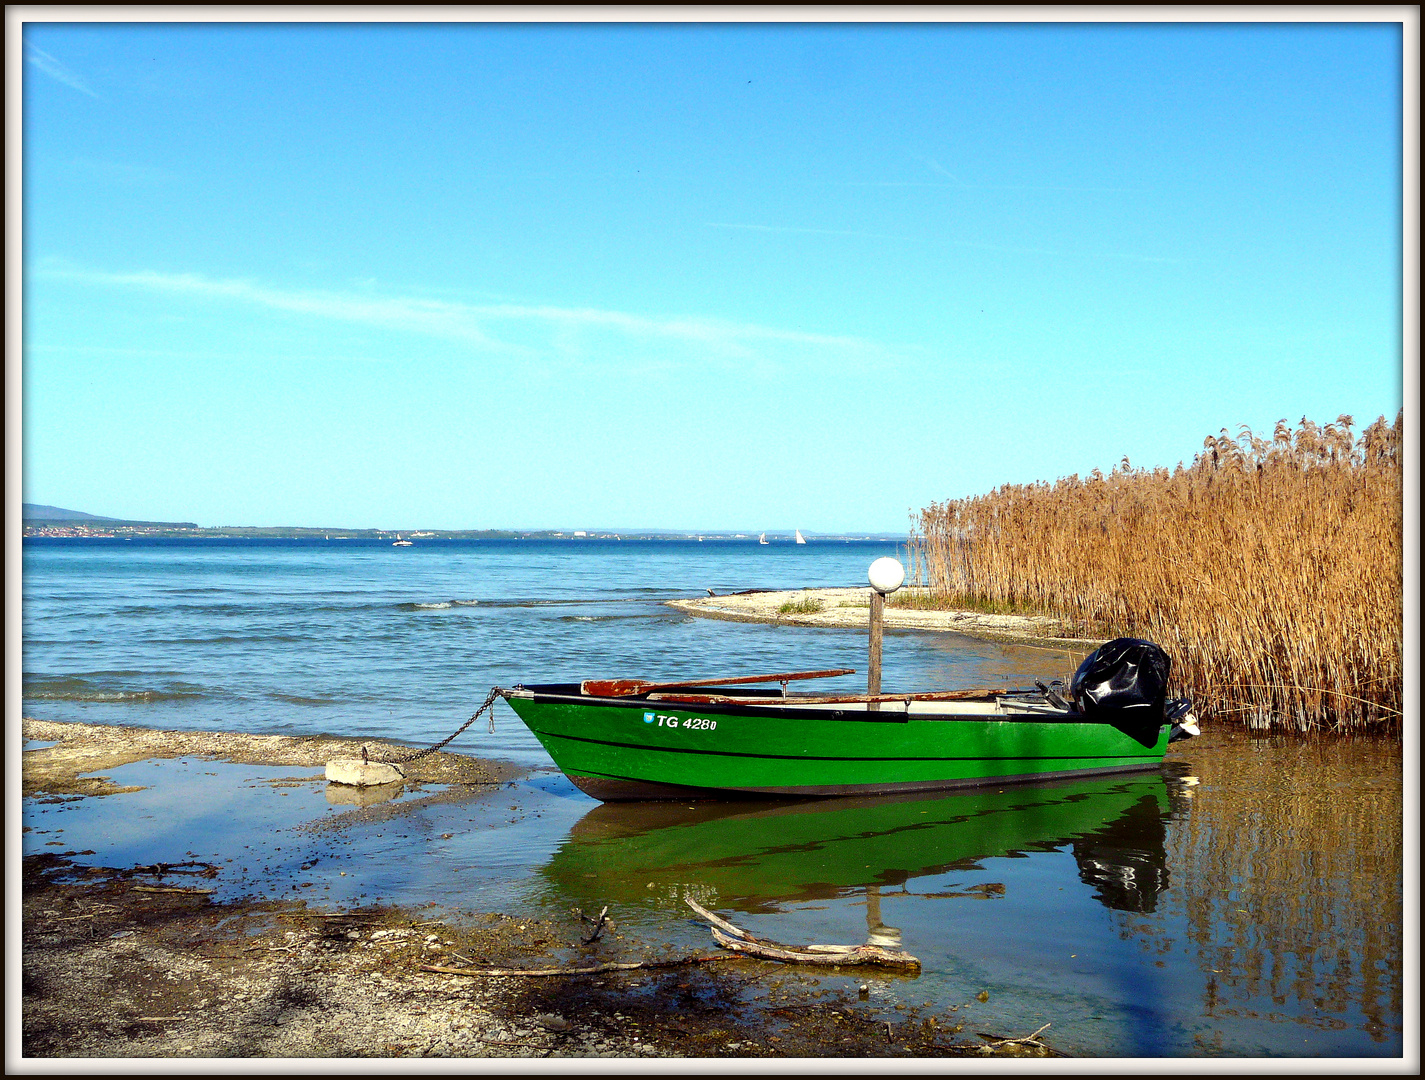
x,y
91,531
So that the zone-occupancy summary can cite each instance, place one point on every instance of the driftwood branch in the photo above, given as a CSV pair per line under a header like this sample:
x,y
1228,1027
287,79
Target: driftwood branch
x,y
598,925
718,920
739,940
592,969
1032,1039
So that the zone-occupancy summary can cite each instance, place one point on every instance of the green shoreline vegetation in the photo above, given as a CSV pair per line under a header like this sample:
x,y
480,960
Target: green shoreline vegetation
x,y
1271,570
803,605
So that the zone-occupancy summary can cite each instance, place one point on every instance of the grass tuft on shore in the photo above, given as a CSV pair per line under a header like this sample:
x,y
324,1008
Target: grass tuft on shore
x,y
923,599
1270,569
803,605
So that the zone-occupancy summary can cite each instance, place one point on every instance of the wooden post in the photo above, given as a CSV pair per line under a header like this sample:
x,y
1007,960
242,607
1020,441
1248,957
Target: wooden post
x,y
873,668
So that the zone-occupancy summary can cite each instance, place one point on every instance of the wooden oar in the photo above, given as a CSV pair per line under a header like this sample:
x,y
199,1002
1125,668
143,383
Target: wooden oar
x,y
630,687
831,699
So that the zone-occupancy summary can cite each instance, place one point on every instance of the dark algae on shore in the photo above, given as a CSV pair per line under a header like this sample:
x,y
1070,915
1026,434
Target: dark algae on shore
x,y
141,962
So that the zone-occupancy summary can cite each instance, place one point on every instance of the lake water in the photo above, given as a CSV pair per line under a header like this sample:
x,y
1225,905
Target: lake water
x,y
1243,901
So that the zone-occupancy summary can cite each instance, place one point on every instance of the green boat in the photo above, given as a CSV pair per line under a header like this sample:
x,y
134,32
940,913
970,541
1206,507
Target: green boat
x,y
721,738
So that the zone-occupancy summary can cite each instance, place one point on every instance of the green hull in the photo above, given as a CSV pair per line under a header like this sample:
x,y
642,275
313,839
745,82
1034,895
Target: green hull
x,y
636,749
754,856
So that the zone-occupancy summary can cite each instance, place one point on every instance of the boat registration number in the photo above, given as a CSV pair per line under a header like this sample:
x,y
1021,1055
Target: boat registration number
x,y
691,723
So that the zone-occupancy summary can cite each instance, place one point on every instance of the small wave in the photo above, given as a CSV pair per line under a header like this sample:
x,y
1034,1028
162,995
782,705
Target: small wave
x,y
252,639
100,687
297,699
255,607
584,601
602,618
86,677
114,696
437,605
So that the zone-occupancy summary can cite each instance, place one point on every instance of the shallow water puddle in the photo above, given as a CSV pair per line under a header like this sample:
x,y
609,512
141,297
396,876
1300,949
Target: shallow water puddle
x,y
277,831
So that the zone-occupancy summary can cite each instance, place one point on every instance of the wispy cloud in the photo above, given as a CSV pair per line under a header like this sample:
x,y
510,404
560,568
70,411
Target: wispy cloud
x,y
511,329
56,70
939,169
974,245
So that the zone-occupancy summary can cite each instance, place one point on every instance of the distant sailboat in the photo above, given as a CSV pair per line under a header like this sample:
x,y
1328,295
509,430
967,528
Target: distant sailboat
x,y
800,538
762,539
399,542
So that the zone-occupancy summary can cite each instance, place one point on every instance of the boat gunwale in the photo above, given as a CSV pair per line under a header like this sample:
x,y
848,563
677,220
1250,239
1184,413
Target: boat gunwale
x,y
833,699
734,704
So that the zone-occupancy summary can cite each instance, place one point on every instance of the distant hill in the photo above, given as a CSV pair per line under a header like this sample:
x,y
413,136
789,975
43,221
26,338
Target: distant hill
x,y
39,512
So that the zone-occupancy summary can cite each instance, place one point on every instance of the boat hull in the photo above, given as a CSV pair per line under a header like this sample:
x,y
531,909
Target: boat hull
x,y
619,750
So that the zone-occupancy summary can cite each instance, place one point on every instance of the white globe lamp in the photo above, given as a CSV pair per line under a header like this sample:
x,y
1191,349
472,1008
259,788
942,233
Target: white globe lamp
x,y
886,575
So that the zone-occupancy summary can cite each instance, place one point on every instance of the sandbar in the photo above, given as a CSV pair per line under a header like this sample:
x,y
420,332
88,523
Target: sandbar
x,y
849,608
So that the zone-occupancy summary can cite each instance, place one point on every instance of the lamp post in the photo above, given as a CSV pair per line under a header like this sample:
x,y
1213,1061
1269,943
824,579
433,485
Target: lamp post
x,y
886,576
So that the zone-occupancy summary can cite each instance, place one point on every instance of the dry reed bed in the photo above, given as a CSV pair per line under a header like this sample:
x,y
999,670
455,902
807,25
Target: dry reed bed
x,y
1271,570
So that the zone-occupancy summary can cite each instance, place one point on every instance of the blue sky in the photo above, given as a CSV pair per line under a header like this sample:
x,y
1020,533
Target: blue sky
x,y
702,277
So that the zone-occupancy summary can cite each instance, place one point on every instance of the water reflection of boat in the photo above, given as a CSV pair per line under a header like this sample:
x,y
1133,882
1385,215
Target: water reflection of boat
x,y
753,856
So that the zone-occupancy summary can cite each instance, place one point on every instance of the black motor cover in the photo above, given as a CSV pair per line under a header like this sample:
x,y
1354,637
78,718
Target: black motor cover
x,y
1124,682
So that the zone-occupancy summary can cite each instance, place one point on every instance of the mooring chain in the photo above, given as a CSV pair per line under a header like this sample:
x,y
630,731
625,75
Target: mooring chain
x,y
495,692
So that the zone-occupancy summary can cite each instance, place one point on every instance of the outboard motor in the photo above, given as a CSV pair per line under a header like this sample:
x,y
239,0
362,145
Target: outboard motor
x,y
1124,682
1184,722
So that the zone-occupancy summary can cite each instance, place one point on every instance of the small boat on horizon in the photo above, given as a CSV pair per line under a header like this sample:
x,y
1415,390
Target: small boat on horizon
x,y
401,542
800,538
762,539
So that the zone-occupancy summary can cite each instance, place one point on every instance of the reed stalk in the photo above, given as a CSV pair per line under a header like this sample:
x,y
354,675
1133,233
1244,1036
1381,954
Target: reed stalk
x,y
1270,569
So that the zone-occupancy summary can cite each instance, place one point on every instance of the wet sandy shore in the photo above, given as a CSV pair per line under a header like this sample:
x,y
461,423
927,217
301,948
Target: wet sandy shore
x,y
850,608
82,749
144,961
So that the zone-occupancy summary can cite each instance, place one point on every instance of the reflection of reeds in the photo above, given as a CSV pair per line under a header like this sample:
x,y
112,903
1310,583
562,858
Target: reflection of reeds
x,y
1288,870
1270,570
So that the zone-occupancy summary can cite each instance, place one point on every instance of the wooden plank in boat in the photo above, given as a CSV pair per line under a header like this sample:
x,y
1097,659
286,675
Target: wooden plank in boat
x,y
631,687
977,694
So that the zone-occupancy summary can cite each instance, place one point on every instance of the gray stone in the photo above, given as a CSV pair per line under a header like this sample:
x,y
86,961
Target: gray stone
x,y
358,773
